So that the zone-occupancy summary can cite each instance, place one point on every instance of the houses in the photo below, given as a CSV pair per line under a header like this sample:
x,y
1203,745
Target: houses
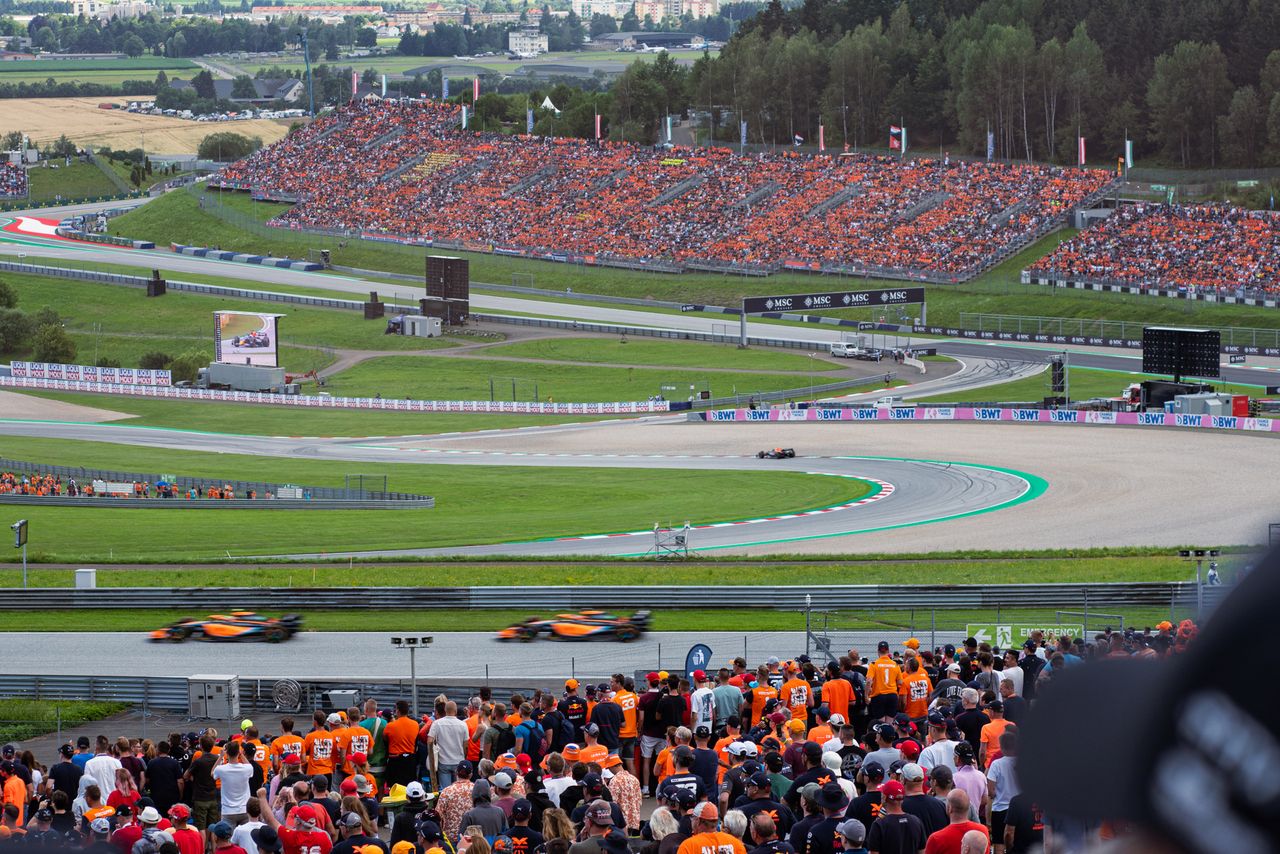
x,y
287,89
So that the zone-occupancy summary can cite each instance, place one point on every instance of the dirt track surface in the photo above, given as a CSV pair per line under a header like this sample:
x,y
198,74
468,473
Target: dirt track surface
x,y
15,405
1107,486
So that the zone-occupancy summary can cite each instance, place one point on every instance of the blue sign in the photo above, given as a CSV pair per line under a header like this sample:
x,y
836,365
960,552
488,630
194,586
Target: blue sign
x,y
699,658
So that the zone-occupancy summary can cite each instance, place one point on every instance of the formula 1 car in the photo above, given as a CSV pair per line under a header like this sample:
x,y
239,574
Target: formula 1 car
x,y
236,626
253,339
776,454
584,625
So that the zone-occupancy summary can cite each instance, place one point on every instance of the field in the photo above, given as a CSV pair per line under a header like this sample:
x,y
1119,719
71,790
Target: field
x,y
55,181
178,217
1085,383
109,72
397,66
21,718
487,504
639,351
80,119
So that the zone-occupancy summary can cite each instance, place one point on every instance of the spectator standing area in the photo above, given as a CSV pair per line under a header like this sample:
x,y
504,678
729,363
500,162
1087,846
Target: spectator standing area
x,y
403,170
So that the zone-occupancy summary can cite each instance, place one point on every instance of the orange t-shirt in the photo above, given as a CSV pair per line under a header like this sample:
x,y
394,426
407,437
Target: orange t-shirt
x,y
15,792
722,748
916,689
592,753
795,696
821,734
837,694
286,744
886,676
760,695
402,736
261,756
627,700
664,764
318,749
990,736
358,740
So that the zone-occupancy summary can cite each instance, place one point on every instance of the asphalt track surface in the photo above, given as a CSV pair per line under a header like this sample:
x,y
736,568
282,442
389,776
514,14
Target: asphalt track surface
x,y
1262,371
907,492
454,657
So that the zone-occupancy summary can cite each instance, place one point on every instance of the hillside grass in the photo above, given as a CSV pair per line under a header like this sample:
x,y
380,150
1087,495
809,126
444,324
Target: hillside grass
x,y
178,217
1084,383
641,351
22,718
77,181
474,505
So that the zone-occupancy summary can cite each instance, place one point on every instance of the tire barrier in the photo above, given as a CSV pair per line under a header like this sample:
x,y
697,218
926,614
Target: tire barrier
x,y
244,258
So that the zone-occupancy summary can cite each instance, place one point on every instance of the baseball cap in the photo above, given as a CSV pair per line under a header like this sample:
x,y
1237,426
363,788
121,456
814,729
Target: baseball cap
x,y
912,773
179,812
349,819
773,661
428,830
592,783
82,741
735,748
9,749
683,797
852,830
414,791
1029,644
305,814
761,780
334,718
651,677
571,684
812,750
953,667
590,689
100,826
463,767
837,719
404,846
749,749
502,780
873,770
911,643
684,751
616,843
46,814
591,729
883,646
359,758
66,750
599,814
700,675
893,790
348,786
795,725
909,748
777,718
223,830
996,706
884,730
150,815
809,791
703,731
266,838
522,808
706,811
245,724
964,750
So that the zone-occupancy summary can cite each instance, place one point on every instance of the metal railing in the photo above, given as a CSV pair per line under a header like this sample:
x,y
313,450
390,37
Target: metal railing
x,y
1113,329
1175,595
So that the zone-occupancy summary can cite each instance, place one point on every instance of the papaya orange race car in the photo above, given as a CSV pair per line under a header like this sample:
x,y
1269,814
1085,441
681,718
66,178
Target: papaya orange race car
x,y
584,625
236,626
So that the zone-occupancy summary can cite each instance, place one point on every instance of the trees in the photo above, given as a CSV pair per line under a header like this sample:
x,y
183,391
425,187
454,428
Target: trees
x,y
15,330
367,37
8,299
133,46
154,360
52,344
226,146
242,87
1185,95
184,366
1243,128
202,83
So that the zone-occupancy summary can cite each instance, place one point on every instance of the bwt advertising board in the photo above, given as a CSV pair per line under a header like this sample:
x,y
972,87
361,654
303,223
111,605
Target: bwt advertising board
x,y
246,338
838,299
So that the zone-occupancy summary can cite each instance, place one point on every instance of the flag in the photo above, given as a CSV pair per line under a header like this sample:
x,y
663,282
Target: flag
x,y
597,125
1080,139
991,145
475,90
355,83
896,135
822,138
1128,154
464,116
742,132
384,85
444,88
797,140
528,120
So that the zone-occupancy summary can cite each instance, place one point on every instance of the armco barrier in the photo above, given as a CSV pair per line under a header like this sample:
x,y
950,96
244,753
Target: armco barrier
x,y
1245,297
785,598
1075,340
996,414
244,258
365,403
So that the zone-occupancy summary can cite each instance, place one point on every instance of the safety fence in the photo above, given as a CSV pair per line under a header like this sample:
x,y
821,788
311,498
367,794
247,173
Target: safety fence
x,y
1239,296
1082,329
992,414
85,476
1096,340
851,597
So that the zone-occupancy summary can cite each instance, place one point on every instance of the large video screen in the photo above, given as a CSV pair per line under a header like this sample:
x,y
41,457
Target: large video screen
x,y
246,338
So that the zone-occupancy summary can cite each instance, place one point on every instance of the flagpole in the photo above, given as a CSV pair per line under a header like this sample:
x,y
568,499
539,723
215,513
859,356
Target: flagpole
x,y
902,123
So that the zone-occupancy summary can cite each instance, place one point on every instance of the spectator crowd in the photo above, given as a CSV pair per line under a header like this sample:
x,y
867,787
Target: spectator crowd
x,y
404,169
43,485
914,750
13,180
1187,248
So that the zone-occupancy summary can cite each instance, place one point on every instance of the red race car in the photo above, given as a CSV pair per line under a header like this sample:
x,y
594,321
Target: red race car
x,y
584,625
236,626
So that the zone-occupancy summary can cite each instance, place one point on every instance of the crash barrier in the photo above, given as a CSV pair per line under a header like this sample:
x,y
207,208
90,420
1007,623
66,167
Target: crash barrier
x,y
120,481
1245,296
259,503
27,204
1161,594
993,414
365,403
90,373
111,240
1078,340
244,258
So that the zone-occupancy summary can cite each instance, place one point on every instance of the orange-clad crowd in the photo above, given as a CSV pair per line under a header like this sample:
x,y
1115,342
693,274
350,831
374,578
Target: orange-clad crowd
x,y
1175,247
405,169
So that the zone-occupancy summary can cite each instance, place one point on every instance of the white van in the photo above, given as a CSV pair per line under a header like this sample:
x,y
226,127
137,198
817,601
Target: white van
x,y
845,350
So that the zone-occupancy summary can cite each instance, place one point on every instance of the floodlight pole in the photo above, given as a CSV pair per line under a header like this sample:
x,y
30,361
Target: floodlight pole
x,y
742,326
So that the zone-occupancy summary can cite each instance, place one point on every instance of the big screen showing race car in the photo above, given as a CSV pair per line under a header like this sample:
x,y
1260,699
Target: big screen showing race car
x,y
241,337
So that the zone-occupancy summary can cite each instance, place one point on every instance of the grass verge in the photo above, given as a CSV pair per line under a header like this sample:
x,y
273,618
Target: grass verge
x,y
21,719
474,504
1085,383
639,351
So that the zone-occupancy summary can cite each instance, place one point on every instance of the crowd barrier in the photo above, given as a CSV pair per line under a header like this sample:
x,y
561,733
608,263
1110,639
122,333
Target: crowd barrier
x,y
1076,340
244,258
993,414
90,373
320,402
1117,287
89,237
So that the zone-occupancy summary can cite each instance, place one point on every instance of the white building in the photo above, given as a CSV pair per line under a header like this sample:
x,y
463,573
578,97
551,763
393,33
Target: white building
x,y
584,9
527,42
107,11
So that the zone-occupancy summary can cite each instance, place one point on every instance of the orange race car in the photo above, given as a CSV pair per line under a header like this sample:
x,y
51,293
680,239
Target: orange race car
x,y
236,626
584,625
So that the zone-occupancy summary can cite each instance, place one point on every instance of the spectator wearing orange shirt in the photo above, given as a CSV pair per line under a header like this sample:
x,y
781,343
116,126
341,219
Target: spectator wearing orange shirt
x,y
989,749
402,740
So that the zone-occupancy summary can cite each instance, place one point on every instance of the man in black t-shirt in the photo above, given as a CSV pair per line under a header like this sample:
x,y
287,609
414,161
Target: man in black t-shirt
x,y
764,834
164,779
574,709
1023,825
823,837
550,720
672,706
524,839
759,799
607,715
971,720
66,774
866,808
927,808
895,832
815,773
683,778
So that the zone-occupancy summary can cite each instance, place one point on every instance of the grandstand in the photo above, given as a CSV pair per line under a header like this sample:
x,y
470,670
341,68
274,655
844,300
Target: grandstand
x,y
404,169
13,181
1187,248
